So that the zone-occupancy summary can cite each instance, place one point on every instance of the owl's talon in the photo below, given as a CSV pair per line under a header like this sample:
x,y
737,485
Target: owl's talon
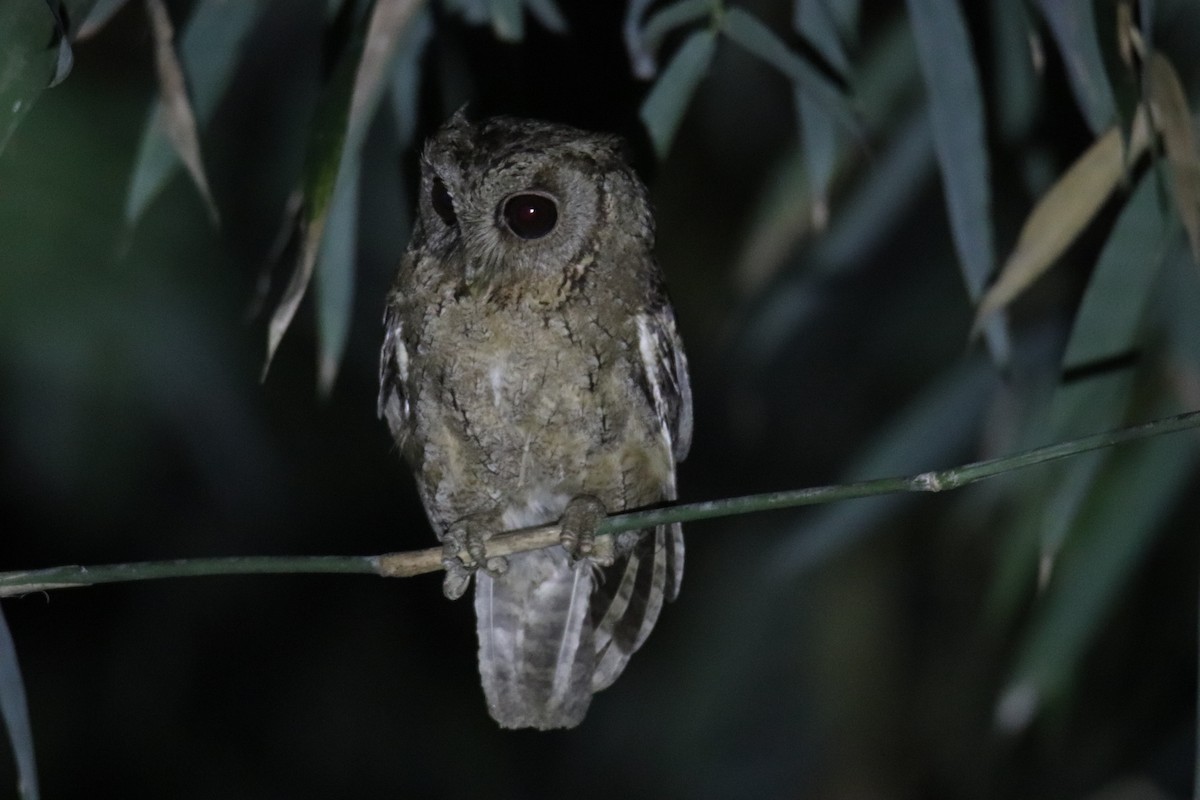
x,y
579,522
459,569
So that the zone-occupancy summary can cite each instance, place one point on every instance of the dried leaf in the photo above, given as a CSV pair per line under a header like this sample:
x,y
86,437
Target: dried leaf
x,y
1063,212
177,106
1169,112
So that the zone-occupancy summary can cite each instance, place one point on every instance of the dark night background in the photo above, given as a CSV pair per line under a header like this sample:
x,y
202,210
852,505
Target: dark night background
x,y
843,652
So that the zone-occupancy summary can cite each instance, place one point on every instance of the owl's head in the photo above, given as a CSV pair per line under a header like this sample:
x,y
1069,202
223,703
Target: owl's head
x,y
513,200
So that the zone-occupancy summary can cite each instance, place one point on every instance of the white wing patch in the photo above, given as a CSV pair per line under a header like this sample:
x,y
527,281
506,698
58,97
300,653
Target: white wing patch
x,y
665,368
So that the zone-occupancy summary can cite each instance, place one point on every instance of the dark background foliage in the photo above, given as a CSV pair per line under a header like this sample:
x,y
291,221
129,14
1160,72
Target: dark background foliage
x,y
878,648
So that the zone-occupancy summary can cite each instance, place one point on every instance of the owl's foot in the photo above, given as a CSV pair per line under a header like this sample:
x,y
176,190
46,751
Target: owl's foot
x,y
458,571
579,522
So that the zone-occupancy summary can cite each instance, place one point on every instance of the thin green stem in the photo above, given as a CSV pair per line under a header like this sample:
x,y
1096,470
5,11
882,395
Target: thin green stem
x,y
430,560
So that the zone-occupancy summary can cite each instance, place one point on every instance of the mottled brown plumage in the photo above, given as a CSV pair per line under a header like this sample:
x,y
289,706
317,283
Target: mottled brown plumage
x,y
531,368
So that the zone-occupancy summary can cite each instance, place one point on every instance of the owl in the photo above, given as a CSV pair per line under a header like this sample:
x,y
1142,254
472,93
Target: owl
x,y
531,373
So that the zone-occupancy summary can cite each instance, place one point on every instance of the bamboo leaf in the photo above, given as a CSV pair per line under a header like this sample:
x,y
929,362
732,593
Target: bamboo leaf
x,y
640,60
1131,497
335,274
957,116
208,52
29,63
1107,327
548,14
331,180
1073,25
818,132
15,710
1169,111
508,20
1063,212
663,108
669,18
751,34
98,17
178,118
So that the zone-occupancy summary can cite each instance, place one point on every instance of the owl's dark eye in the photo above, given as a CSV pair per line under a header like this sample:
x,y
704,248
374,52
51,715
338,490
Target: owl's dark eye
x,y
530,216
439,198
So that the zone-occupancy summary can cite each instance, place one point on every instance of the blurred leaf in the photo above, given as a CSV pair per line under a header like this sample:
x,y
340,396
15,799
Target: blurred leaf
x,y
14,709
31,42
824,24
98,17
956,113
62,39
1063,212
783,216
508,19
1137,488
548,14
335,274
667,19
406,75
818,133
1017,86
178,119
476,12
663,108
640,60
1169,111
331,183
1107,329
757,38
936,428
1073,25
209,48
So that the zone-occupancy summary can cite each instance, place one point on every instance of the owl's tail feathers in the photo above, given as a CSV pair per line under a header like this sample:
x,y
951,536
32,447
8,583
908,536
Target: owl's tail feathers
x,y
536,643
625,610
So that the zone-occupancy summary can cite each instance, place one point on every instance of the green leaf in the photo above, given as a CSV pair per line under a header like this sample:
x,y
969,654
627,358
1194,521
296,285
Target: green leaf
x,y
208,49
640,59
1132,496
331,184
1169,110
15,710
335,273
959,136
406,75
548,14
751,34
508,20
98,17
31,44
1108,325
670,17
175,105
1016,84
818,131
663,108
1073,24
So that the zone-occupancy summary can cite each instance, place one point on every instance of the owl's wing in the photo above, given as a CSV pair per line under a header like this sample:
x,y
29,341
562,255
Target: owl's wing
x,y
393,376
664,375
